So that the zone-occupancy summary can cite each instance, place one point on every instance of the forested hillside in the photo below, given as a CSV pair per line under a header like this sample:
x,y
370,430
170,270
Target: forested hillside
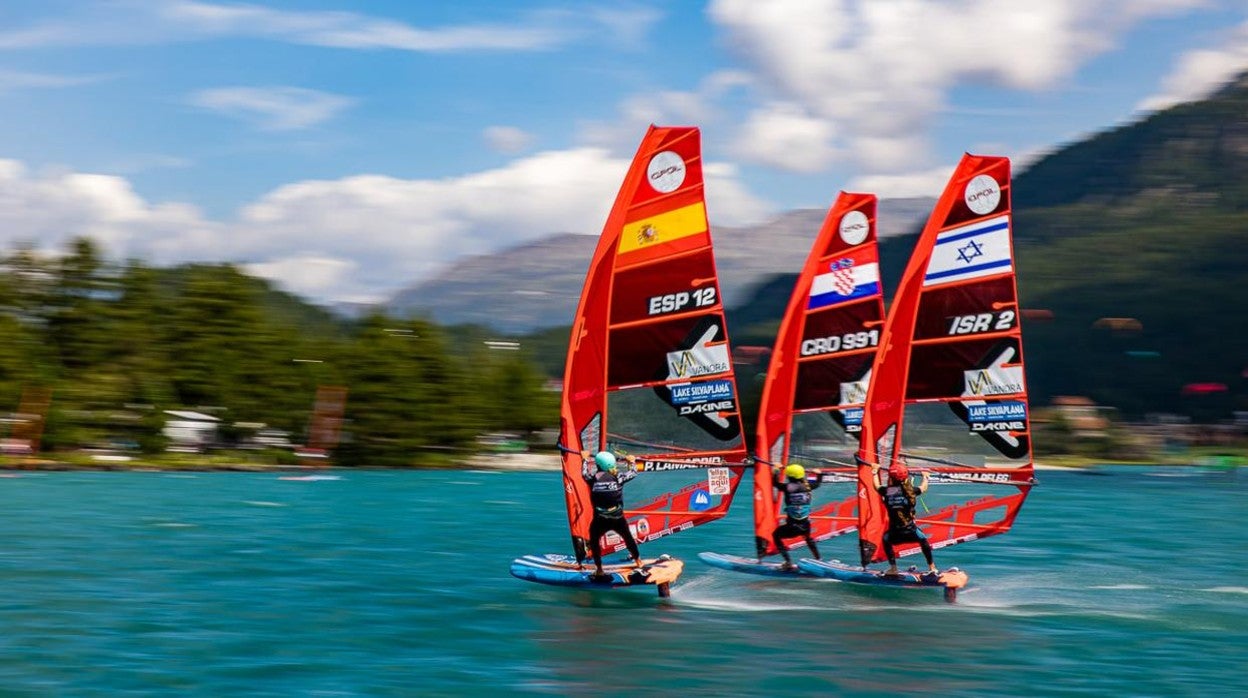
x,y
116,346
1136,241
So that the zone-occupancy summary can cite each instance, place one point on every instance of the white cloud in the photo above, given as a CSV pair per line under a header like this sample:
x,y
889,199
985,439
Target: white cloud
x,y
784,136
273,108
168,21
879,73
895,186
51,208
638,112
11,80
355,238
508,140
1199,73
309,275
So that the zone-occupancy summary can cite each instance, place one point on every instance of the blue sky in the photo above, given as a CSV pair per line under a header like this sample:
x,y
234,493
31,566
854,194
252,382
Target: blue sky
x,y
348,149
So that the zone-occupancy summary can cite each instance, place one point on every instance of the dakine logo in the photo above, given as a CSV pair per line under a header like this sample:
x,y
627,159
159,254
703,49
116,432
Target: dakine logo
x,y
702,408
854,227
983,194
998,426
666,172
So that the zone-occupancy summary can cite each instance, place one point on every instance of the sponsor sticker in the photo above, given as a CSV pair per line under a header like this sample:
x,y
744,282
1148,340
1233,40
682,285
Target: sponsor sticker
x,y
854,392
854,227
666,172
700,500
702,360
686,393
996,411
641,529
853,416
718,481
982,194
997,380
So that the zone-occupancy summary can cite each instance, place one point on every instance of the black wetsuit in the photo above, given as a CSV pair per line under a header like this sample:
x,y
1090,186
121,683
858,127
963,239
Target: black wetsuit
x,y
606,494
899,502
797,500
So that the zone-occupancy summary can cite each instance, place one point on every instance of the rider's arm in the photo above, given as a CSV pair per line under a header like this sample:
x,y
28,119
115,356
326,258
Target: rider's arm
x,y
629,472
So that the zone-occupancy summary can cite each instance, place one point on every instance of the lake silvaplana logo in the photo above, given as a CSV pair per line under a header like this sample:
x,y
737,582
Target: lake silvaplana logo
x,y
854,227
982,194
666,172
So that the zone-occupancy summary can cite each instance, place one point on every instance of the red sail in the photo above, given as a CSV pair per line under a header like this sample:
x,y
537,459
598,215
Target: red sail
x,y
812,402
948,393
648,370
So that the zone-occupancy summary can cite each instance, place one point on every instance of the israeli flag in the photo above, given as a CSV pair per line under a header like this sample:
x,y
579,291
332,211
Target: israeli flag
x,y
971,251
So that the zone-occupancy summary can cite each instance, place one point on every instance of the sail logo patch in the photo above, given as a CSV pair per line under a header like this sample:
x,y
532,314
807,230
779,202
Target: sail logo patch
x,y
996,380
707,407
970,252
853,419
719,481
854,227
996,411
657,466
846,279
855,392
685,393
700,500
997,416
703,359
641,529
666,172
982,194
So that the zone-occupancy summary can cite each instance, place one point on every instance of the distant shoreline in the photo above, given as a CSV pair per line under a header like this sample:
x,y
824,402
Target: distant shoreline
x,y
525,461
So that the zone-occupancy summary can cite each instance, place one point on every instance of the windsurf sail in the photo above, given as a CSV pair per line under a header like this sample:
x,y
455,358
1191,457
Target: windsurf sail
x,y
325,426
648,369
812,402
948,394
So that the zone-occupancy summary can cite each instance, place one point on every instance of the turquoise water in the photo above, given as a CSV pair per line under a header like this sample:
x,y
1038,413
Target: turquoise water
x,y
385,583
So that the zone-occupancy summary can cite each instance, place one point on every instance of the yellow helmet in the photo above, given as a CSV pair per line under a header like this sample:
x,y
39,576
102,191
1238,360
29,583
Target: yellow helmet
x,y
795,472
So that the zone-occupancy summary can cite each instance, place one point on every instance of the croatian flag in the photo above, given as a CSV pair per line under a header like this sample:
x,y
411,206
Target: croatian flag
x,y
971,251
845,279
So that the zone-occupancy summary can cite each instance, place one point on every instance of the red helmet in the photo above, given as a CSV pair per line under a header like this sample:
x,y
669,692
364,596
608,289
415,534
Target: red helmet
x,y
898,472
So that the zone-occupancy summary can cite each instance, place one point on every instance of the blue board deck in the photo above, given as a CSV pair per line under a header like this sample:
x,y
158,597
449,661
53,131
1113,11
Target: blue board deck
x,y
749,565
563,570
949,580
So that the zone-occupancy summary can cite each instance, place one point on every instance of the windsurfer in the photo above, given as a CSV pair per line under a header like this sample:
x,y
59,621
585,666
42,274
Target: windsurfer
x,y
899,499
797,499
606,494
